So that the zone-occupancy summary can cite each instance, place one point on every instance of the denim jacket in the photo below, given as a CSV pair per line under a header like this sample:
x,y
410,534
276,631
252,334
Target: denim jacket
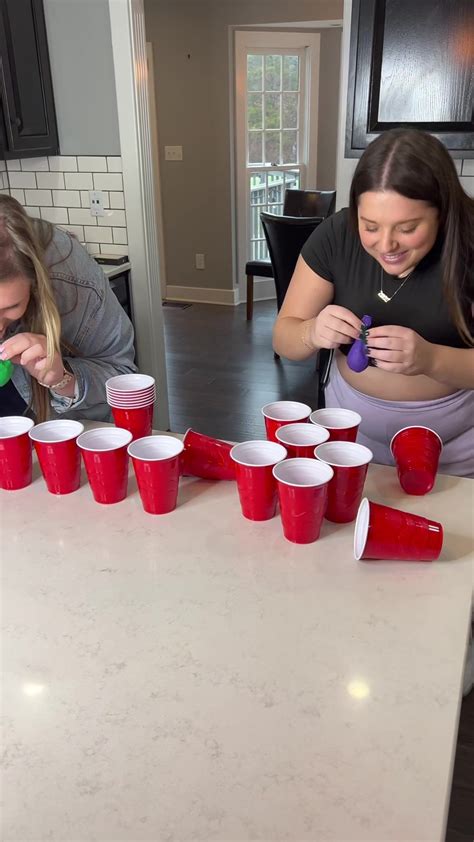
x,y
93,325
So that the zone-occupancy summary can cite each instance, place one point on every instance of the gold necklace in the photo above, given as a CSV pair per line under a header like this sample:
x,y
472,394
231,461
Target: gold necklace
x,y
383,295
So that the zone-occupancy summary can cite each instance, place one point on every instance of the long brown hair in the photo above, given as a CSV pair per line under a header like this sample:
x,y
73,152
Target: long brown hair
x,y
23,242
418,166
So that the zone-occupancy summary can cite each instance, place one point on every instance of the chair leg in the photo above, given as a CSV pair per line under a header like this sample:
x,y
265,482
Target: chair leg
x,y
249,298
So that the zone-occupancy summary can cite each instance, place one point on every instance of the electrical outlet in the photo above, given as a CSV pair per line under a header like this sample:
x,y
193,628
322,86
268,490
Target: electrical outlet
x,y
96,198
200,261
173,153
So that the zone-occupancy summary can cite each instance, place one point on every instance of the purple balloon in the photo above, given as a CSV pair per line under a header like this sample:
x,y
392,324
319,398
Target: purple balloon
x,y
357,358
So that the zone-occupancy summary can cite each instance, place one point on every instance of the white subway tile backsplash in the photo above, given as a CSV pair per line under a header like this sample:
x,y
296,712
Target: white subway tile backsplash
x,y
77,230
116,200
63,163
19,195
78,181
120,235
50,180
32,211
14,164
5,192
468,184
92,248
92,163
3,181
98,234
38,197
114,163
3,166
113,217
67,198
81,216
22,179
112,249
34,164
58,216
108,181
468,166
86,199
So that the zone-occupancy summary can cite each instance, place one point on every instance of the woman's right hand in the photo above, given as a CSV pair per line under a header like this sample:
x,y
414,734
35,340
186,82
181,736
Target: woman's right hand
x,y
334,326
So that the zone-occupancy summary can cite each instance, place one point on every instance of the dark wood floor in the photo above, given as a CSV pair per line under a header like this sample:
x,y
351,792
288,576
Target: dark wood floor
x,y
221,371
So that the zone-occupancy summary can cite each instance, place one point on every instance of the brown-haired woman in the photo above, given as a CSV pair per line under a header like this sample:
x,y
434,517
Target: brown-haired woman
x,y
60,323
403,253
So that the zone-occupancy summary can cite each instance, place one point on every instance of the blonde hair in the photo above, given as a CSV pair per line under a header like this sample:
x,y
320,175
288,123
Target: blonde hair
x,y
23,242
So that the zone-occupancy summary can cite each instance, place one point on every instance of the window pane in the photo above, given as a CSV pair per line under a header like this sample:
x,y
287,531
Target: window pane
x,y
291,73
292,180
257,188
255,73
289,111
272,147
255,148
273,73
272,111
289,147
254,111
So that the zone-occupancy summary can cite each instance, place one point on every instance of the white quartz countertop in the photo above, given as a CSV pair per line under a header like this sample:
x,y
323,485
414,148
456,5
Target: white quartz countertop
x,y
110,270
194,676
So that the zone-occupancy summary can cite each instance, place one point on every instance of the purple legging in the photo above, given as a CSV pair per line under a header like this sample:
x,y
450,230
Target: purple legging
x,y
451,417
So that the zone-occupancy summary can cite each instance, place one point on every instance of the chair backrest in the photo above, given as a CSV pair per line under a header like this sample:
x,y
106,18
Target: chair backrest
x,y
286,236
309,202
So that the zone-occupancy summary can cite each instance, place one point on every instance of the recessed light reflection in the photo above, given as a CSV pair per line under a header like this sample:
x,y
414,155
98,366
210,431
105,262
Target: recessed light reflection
x,y
358,689
31,689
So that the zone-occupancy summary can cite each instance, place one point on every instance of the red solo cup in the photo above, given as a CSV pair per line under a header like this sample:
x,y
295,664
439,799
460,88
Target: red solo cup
x,y
350,463
206,457
416,451
302,491
129,383
279,413
254,463
58,454
15,452
343,424
301,439
139,422
386,533
156,462
105,456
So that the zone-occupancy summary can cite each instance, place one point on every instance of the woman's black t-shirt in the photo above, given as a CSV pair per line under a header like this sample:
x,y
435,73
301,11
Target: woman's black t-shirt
x,y
334,252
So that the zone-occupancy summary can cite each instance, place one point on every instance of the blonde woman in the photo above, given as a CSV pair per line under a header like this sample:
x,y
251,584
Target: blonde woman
x,y
60,324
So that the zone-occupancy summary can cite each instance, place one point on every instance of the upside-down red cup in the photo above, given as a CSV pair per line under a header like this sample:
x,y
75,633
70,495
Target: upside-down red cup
x,y
254,463
279,413
139,422
104,451
416,451
343,424
156,462
15,452
58,454
390,534
301,439
206,457
350,462
302,492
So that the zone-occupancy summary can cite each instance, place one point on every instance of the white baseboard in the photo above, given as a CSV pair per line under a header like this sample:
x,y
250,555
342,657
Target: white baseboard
x,y
263,289
202,295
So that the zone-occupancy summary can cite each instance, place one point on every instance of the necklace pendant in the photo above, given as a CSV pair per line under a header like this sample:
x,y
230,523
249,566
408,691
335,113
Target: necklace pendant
x,y
384,297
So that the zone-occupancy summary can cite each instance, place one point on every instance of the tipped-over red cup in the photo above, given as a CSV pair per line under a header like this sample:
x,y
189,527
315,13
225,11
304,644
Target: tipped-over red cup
x,y
301,439
15,452
384,533
139,422
279,413
302,491
254,463
207,457
156,462
350,462
416,451
104,451
343,424
58,454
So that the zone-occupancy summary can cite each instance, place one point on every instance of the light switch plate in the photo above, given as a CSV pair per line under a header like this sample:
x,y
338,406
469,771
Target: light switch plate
x,y
173,153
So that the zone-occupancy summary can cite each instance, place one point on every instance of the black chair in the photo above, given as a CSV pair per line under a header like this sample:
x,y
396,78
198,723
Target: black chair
x,y
319,203
286,236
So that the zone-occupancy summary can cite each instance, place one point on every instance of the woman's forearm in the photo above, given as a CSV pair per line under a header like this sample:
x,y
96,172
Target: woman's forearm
x,y
452,366
290,338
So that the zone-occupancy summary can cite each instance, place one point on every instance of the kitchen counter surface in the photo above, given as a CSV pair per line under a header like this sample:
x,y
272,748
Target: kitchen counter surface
x,y
196,677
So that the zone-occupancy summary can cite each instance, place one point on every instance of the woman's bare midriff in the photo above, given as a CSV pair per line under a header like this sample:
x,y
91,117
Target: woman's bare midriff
x,y
392,387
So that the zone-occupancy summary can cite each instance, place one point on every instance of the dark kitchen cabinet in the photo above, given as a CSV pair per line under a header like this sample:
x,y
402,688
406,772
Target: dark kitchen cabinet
x,y
28,119
411,65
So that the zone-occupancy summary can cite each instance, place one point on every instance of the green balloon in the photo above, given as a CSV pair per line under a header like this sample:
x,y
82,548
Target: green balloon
x,y
6,370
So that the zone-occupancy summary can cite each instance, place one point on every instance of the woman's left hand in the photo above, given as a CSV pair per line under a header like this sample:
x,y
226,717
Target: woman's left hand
x,y
29,351
400,350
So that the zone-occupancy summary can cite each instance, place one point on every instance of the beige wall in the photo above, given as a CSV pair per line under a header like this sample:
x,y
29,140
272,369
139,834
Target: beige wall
x,y
191,58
